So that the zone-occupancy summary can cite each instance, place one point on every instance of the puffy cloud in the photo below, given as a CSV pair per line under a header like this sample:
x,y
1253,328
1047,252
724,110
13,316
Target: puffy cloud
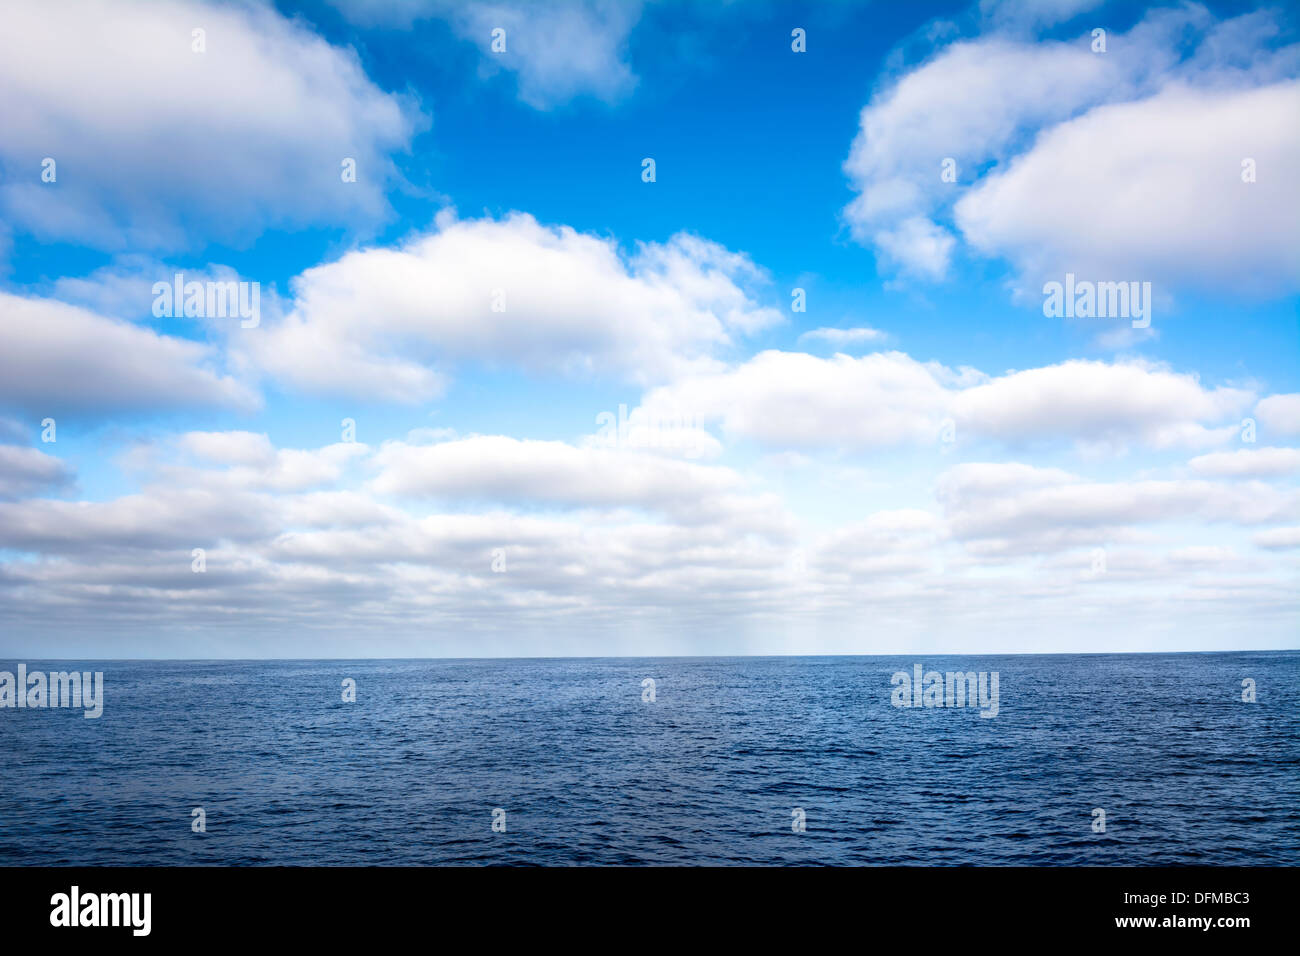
x,y
918,246
969,104
1099,402
796,400
157,145
56,357
513,292
1152,190
27,471
1126,165
1280,414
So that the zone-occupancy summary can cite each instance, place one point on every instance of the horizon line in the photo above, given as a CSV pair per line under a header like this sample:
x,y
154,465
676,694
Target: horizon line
x,y
598,657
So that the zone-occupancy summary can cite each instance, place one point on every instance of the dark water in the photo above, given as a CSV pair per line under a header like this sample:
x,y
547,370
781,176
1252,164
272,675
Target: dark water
x,y
709,773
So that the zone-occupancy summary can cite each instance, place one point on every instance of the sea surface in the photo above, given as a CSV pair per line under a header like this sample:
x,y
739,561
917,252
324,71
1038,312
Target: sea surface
x,y
709,772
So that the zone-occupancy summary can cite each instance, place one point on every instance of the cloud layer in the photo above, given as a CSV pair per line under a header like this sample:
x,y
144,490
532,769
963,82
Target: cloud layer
x,y
505,540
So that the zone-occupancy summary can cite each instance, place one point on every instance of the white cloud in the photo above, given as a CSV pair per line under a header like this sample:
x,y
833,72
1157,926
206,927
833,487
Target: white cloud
x,y
1248,463
510,292
1118,165
1015,508
968,103
1203,555
1280,414
56,357
676,434
796,400
234,447
27,471
1103,403
254,463
627,550
1277,539
646,533
1152,191
159,518
918,246
898,542
123,289
494,468
157,145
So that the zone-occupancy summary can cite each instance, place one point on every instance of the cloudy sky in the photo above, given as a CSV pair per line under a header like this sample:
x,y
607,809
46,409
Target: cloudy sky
x,y
508,393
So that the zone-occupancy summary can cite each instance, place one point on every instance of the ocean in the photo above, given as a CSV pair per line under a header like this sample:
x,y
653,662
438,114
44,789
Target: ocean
x,y
769,761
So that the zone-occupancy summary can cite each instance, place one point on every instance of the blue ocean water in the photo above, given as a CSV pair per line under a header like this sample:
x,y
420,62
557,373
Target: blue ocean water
x,y
710,772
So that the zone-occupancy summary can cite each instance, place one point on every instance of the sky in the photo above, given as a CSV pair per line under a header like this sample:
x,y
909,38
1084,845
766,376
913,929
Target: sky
x,y
583,327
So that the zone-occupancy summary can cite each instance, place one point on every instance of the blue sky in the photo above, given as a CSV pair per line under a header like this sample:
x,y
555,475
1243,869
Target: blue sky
x,y
921,459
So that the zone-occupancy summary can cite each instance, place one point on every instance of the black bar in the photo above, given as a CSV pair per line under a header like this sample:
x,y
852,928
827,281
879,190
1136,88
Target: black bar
x,y
975,906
